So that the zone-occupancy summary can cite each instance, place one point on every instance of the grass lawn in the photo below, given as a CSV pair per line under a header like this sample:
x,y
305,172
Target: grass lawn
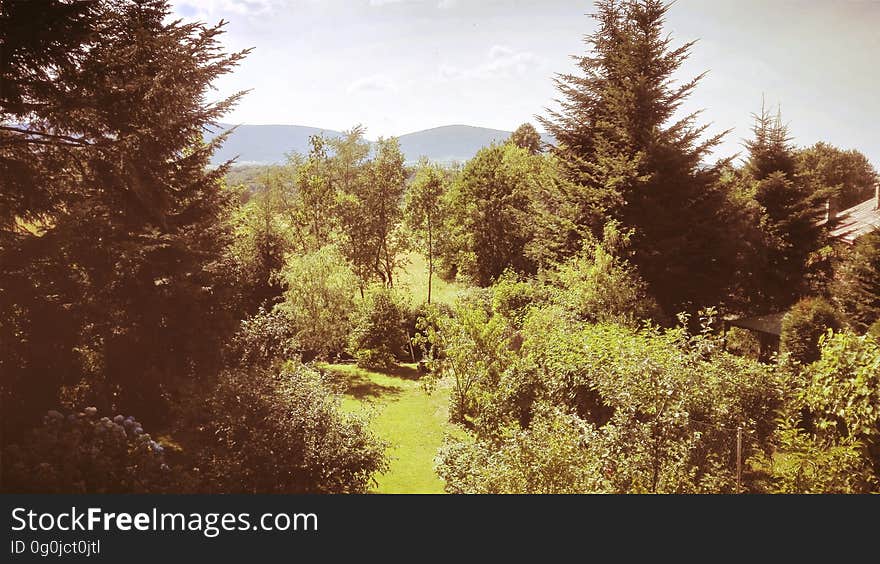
x,y
414,278
403,415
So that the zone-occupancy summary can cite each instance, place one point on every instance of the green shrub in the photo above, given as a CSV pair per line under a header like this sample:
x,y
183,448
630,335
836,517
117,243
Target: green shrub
x,y
512,296
552,456
874,331
265,337
599,285
319,298
803,464
268,432
742,343
82,454
379,335
803,325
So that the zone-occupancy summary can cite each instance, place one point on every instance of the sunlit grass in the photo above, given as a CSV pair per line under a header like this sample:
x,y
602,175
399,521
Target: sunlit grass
x,y
404,415
414,279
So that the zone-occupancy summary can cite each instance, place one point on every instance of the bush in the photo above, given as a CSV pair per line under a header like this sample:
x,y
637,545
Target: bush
x,y
318,299
742,343
661,408
803,325
874,331
265,337
599,285
81,454
512,297
552,456
379,335
805,465
284,432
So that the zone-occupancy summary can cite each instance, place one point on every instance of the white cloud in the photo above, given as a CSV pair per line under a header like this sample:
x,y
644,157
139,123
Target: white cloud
x,y
502,62
371,84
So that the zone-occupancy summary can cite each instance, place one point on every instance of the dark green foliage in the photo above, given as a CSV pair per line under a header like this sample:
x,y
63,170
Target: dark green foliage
x,y
803,325
378,338
110,226
264,338
82,454
269,432
856,287
848,173
616,136
789,215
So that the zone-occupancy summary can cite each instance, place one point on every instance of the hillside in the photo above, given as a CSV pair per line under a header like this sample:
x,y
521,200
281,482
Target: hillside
x,y
266,144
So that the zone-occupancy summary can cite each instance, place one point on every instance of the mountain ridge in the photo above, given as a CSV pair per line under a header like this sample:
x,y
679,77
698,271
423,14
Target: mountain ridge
x,y
271,143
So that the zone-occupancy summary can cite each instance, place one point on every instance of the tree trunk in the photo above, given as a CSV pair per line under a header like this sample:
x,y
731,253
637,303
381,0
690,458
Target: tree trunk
x,y
430,258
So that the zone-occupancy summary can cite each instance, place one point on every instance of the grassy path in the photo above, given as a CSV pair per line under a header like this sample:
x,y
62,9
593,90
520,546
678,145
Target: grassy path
x,y
412,421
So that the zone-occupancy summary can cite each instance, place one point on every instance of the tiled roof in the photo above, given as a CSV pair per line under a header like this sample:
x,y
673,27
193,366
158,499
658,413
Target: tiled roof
x,y
856,221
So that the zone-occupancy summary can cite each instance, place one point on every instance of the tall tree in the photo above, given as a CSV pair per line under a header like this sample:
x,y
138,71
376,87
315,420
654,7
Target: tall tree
x,y
423,211
111,235
490,208
791,211
616,132
849,173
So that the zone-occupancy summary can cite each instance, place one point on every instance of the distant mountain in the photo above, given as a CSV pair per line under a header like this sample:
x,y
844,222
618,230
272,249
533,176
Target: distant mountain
x,y
267,144
449,143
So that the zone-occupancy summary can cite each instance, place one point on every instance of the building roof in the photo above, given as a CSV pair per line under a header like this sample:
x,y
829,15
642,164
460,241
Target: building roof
x,y
769,324
856,221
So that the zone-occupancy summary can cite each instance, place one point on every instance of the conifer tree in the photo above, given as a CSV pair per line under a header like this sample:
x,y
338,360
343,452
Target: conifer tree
x,y
111,217
791,212
617,133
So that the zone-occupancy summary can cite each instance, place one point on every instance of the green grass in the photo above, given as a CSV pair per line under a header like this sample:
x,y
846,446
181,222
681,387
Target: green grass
x,y
414,278
402,414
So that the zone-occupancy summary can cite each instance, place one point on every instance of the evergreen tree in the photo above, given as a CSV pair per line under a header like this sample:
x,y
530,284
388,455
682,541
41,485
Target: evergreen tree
x,y
110,236
616,135
791,210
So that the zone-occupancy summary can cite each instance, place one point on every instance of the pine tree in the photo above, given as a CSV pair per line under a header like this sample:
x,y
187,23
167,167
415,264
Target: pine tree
x,y
111,236
791,212
617,136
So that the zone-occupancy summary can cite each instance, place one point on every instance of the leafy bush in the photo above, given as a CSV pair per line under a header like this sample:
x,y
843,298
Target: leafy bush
x,y
379,336
844,390
552,456
742,343
804,464
82,454
599,285
512,296
265,337
874,331
318,299
661,408
802,327
270,432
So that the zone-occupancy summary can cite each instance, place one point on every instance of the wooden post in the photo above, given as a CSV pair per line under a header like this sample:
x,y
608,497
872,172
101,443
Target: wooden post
x,y
739,448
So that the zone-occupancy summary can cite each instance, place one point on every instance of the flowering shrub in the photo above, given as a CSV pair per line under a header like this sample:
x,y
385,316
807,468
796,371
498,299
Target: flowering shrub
x,y
80,453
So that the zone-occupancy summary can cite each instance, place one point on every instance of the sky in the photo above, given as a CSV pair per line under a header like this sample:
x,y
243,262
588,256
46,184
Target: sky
x,y
398,66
